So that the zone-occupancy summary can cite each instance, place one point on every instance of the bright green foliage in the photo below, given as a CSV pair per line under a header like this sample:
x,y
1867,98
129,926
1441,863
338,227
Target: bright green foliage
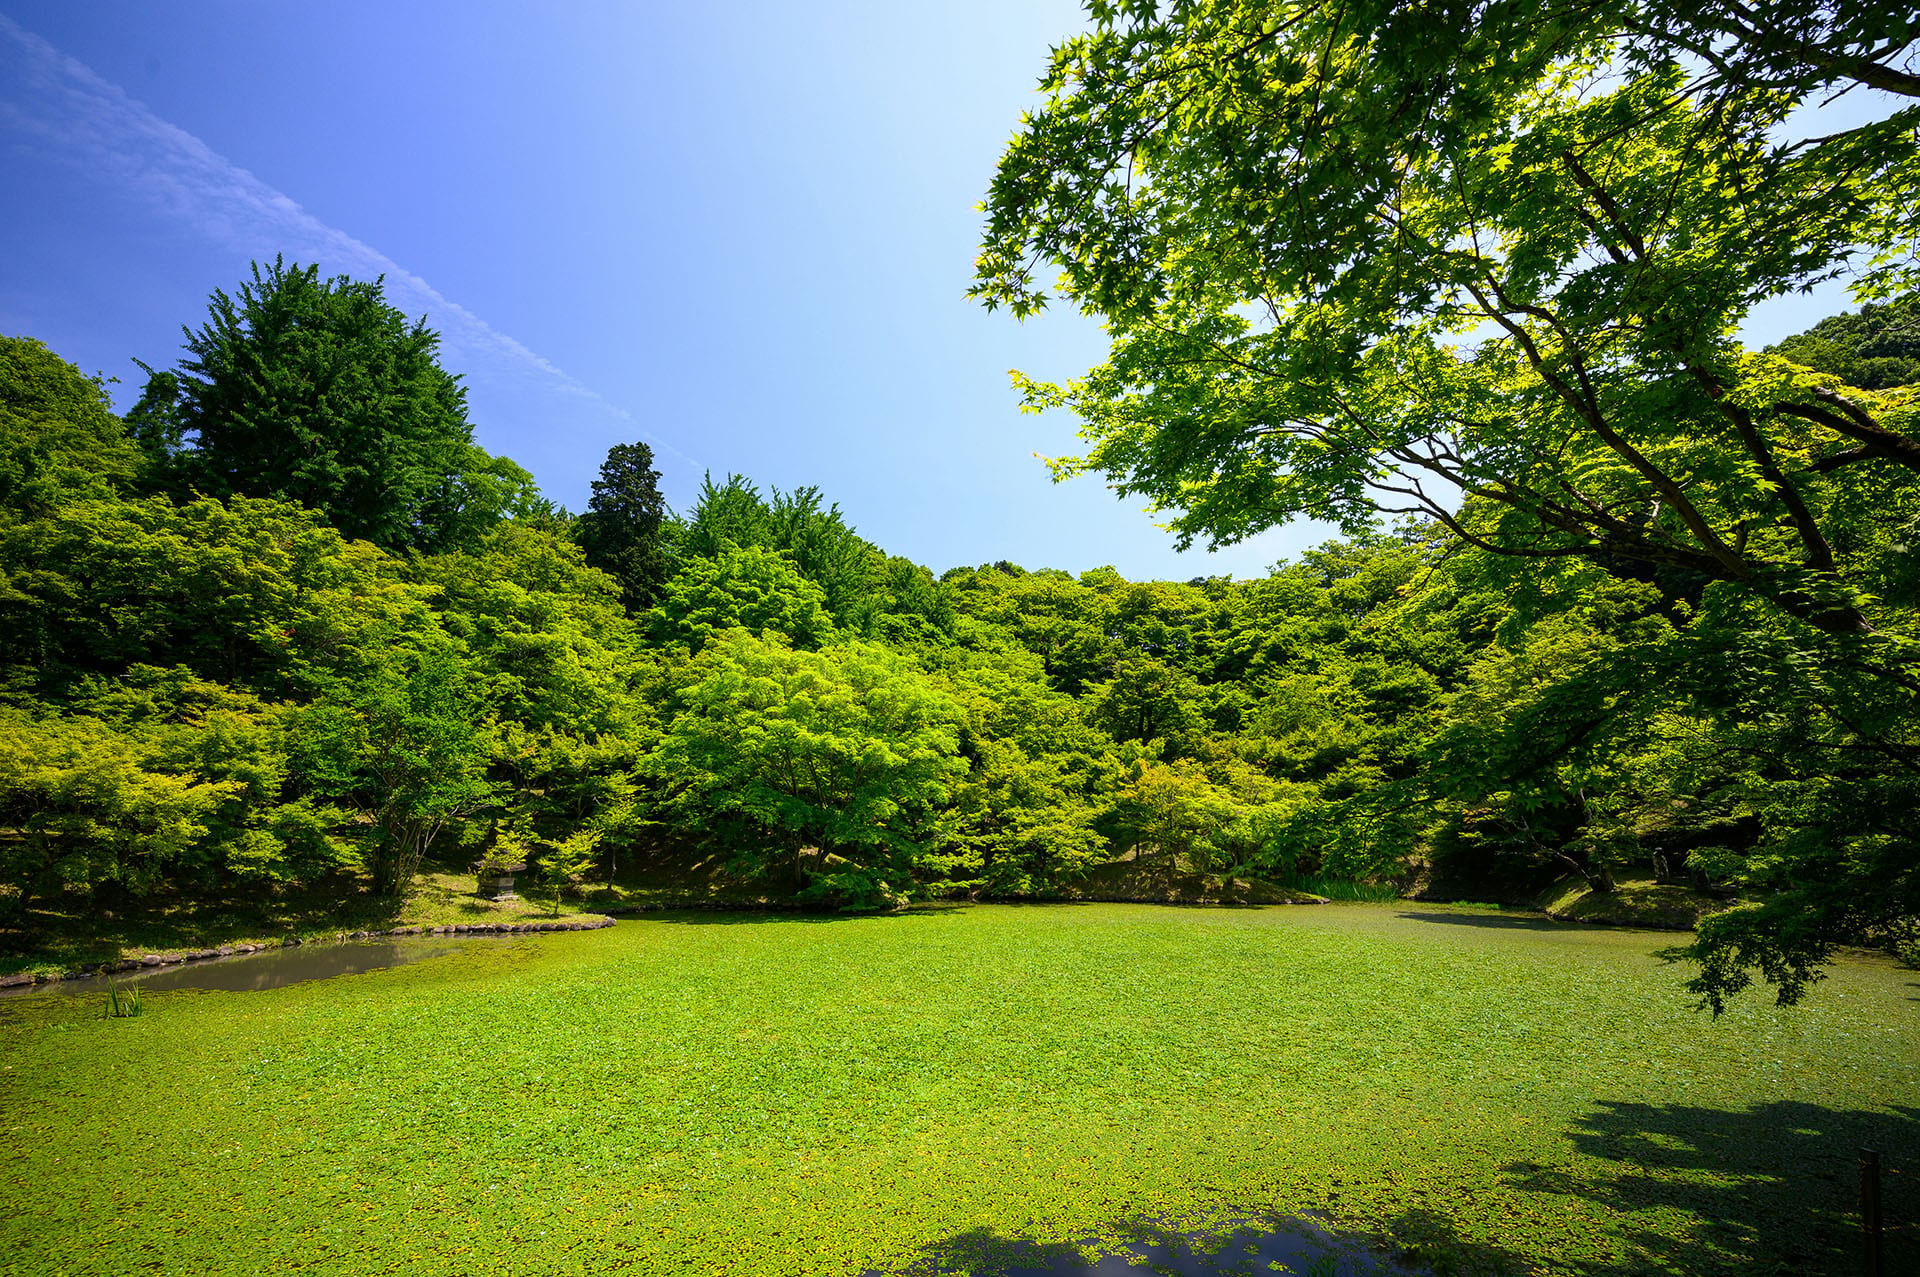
x,y
560,664
157,779
824,769
1146,699
561,671
266,830
1606,725
120,1003
164,624
546,631
560,862
1025,815
59,438
740,586
1875,349
911,609
1339,666
858,584
1536,741
1025,824
569,861
1048,612
828,553
724,514
1323,676
227,698
1483,267
1358,386
1817,752
402,743
318,391
1220,816
256,593
90,807
1174,812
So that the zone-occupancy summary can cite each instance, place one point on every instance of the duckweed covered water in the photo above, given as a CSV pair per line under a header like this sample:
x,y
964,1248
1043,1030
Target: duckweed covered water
x,y
947,1091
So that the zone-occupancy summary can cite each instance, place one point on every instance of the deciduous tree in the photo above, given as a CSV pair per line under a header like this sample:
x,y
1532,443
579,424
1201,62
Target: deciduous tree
x,y
321,392
825,769
59,438
1481,263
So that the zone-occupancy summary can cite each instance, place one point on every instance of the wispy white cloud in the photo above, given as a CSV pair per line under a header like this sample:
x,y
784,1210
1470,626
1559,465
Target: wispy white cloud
x,y
56,103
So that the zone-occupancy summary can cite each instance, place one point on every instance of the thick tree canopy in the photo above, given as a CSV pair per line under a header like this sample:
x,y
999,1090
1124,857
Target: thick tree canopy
x,y
1481,263
214,698
747,588
826,766
1876,349
58,434
1375,257
849,570
320,392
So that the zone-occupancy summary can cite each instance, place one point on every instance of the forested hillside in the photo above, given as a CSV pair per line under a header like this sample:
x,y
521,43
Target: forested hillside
x,y
286,627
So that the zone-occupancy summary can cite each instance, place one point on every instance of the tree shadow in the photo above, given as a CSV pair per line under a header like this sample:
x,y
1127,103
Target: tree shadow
x,y
1500,921
1264,1245
1771,1189
1707,1192
721,915
70,931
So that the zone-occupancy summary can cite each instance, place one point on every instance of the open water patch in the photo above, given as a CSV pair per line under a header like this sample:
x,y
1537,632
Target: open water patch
x,y
1301,1245
268,968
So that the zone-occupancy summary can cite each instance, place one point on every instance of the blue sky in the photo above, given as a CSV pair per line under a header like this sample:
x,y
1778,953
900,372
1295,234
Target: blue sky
x,y
741,233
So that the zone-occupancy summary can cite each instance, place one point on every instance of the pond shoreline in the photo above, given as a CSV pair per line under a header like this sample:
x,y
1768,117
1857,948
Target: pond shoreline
x,y
147,962
606,917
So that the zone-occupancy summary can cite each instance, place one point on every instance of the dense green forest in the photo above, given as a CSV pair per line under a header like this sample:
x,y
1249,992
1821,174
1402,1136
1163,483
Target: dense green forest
x,y
1531,303
1616,593
284,626
1484,266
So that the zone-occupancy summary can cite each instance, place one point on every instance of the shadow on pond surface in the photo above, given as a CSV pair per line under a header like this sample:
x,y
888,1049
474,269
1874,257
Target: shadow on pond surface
x,y
1501,921
1299,1244
271,969
725,915
1771,1189
1677,1189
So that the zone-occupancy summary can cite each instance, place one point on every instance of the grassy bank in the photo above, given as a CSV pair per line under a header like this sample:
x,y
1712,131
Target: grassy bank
x,y
1636,901
781,1094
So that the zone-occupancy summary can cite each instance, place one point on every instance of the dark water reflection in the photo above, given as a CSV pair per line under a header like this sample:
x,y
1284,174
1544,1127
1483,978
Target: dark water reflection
x,y
271,968
1301,1245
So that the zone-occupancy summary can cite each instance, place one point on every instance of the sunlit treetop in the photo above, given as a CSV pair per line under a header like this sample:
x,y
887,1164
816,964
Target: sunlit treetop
x,y
1480,263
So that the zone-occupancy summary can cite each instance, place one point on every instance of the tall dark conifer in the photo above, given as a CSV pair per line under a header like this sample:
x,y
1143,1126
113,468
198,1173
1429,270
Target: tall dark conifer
x,y
621,531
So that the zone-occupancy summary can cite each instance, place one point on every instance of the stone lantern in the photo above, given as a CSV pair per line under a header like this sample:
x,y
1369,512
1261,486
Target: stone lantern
x,y
495,876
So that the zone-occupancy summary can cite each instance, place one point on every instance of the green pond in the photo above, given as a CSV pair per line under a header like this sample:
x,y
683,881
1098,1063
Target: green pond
x,y
961,1090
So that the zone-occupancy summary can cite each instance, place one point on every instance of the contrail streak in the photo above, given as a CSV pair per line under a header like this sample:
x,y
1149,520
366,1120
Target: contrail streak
x,y
57,101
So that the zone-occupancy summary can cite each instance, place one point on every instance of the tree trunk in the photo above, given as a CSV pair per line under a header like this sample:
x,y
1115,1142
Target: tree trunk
x,y
1598,878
